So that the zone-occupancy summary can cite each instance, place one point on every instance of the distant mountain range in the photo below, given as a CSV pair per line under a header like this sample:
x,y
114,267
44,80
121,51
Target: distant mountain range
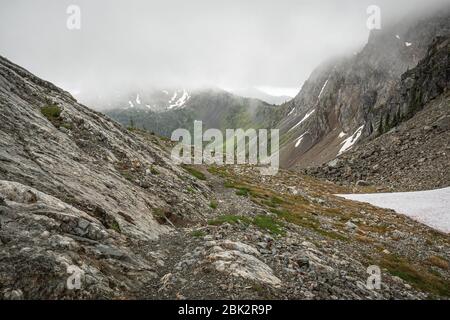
x,y
345,102
156,100
162,112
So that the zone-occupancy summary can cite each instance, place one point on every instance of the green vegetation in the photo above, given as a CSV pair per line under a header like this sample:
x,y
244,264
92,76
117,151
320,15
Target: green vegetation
x,y
293,209
215,170
126,174
159,212
115,226
198,234
190,190
51,112
213,204
131,125
268,223
417,276
199,175
243,192
68,126
153,170
231,219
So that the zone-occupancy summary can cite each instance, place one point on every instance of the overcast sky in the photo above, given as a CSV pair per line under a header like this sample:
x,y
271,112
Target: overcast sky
x,y
186,43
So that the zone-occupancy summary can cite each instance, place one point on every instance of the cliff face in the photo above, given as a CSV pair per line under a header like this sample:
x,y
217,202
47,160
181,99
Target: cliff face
x,y
411,150
343,101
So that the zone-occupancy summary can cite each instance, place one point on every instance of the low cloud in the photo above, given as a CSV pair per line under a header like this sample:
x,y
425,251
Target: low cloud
x,y
128,44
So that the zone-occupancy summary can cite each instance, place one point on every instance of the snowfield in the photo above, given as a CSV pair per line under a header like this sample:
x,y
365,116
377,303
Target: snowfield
x,y
323,88
428,207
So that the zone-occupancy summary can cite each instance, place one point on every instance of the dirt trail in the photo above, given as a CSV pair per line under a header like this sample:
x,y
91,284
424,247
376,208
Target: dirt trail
x,y
226,257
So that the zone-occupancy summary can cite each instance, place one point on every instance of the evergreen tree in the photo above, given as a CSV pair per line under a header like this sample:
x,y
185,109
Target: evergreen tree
x,y
387,124
380,126
131,123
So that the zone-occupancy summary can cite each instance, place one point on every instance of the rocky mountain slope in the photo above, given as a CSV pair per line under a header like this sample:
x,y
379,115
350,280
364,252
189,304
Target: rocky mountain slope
x,y
413,154
215,107
76,186
83,198
350,100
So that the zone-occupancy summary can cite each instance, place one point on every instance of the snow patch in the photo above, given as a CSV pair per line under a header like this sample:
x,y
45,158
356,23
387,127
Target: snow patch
x,y
397,36
181,101
408,44
300,139
428,207
173,97
138,99
350,141
166,92
131,104
303,120
323,88
291,112
342,134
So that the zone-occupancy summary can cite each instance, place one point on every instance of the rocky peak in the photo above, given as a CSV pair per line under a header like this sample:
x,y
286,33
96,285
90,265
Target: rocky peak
x,y
349,93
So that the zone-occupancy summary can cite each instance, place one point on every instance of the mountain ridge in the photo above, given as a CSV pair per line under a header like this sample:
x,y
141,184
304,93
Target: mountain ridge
x,y
354,91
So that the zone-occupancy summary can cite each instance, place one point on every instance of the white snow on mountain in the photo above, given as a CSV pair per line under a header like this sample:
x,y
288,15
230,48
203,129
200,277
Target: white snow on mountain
x,y
397,36
323,88
303,120
157,101
342,134
291,112
300,139
350,141
408,44
428,207
175,94
181,101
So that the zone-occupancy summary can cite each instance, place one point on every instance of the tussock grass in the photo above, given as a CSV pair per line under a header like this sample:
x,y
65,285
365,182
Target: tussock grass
x,y
269,223
197,234
417,276
194,172
214,204
263,222
51,112
438,262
